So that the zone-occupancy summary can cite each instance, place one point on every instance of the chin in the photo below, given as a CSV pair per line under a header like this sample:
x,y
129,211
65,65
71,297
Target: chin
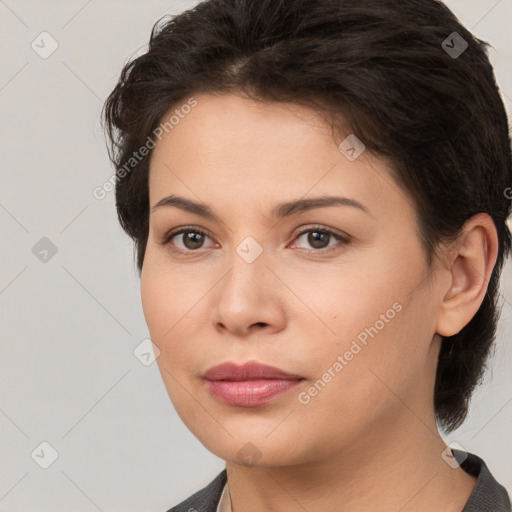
x,y
245,448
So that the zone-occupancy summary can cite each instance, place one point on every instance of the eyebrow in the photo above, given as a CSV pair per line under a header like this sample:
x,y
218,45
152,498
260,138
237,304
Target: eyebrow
x,y
280,211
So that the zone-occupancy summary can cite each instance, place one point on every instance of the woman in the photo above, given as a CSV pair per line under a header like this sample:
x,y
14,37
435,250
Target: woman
x,y
316,191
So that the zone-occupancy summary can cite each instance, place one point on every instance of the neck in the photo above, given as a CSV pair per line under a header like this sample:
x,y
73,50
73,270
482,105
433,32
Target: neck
x,y
402,470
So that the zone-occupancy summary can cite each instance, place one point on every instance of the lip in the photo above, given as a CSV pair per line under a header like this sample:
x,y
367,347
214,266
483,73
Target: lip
x,y
250,384
252,370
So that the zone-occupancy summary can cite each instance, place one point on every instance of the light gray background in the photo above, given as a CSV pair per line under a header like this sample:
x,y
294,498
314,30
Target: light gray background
x,y
68,375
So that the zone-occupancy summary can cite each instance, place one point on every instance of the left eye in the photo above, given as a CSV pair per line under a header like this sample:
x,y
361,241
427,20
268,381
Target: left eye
x,y
319,238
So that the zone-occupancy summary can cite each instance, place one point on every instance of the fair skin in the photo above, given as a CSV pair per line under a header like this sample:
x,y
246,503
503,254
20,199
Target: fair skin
x,y
369,436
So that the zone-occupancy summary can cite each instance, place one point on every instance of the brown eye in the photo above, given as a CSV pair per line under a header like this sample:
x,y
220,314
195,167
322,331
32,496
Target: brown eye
x,y
319,239
190,239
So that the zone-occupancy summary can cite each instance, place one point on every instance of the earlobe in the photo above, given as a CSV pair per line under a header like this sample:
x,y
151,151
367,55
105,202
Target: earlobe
x,y
471,266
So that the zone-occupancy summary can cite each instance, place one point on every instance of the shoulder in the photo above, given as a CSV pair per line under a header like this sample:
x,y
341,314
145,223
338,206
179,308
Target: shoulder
x,y
487,494
206,499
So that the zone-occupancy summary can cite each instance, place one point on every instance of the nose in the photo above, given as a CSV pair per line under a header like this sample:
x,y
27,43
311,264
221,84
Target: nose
x,y
249,299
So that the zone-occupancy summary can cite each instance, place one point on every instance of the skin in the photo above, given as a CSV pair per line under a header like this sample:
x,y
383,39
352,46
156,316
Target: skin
x,y
369,436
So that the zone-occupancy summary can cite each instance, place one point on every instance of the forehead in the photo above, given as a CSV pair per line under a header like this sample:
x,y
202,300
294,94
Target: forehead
x,y
221,120
231,148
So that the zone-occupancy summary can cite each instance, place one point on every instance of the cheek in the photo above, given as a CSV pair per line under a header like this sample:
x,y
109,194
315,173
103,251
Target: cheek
x,y
175,305
164,303
356,299
165,309
381,342
166,294
154,295
358,384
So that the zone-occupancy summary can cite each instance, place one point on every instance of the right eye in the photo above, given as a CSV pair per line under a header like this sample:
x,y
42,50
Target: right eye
x,y
191,239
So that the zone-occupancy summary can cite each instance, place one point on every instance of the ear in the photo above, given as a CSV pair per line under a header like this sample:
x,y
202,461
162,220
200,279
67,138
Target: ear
x,y
470,265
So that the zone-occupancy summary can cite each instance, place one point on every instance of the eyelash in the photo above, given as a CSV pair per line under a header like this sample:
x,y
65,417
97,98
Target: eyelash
x,y
345,240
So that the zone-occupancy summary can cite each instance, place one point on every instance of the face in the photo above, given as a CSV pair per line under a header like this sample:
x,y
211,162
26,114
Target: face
x,y
337,294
